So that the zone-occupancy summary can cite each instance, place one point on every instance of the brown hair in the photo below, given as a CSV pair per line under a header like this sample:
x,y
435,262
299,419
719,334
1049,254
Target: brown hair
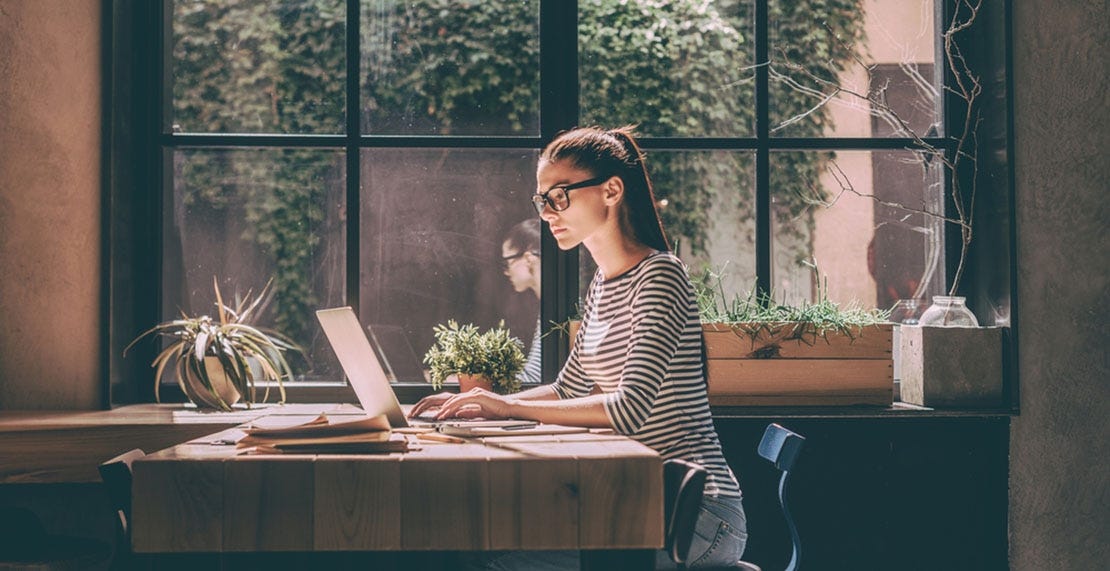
x,y
614,152
525,236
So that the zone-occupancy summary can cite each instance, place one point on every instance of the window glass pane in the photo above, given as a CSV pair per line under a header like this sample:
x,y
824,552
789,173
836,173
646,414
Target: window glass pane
x,y
433,226
853,68
706,201
467,67
862,222
249,216
678,68
254,66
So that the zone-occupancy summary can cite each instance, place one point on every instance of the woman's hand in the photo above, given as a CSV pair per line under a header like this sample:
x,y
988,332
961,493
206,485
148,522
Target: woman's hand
x,y
429,402
476,403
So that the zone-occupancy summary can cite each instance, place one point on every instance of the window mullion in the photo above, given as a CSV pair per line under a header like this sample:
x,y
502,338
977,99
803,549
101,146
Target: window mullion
x,y
354,127
763,151
558,111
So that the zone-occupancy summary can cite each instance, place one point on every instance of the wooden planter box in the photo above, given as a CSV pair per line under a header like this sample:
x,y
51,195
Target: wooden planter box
x,y
782,365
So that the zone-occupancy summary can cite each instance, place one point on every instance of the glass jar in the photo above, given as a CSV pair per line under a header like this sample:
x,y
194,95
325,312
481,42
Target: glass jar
x,y
907,311
948,311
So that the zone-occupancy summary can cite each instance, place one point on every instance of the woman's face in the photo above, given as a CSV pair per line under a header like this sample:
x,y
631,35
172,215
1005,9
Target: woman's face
x,y
520,267
588,210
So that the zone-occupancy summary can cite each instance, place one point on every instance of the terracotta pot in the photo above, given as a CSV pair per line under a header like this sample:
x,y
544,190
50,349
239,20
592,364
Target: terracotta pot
x,y
201,396
467,382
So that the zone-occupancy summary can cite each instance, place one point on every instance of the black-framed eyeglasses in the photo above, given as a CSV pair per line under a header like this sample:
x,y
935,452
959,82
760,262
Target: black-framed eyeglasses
x,y
556,196
508,260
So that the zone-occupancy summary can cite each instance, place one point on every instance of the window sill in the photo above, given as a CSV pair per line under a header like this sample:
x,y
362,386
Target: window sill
x,y
898,410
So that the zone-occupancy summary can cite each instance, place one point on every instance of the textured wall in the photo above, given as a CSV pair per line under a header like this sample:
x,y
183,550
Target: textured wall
x,y
49,204
1060,456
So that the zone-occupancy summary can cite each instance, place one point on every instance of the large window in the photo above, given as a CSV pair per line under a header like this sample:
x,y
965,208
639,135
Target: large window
x,y
375,153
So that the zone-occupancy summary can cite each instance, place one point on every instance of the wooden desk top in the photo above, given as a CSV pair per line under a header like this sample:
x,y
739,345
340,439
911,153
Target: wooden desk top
x,y
53,447
575,491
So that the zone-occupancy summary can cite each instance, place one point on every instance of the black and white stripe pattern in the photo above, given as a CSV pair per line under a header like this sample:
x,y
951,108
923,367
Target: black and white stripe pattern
x,y
532,366
640,343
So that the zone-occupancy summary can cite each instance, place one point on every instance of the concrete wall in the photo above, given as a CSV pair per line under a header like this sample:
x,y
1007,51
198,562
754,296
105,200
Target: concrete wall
x,y
1059,488
50,204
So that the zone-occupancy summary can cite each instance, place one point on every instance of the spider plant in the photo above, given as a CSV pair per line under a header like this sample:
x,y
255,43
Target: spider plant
x,y
233,342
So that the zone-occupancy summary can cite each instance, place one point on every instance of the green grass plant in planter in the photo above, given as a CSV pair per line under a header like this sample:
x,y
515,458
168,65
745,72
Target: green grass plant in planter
x,y
764,352
220,360
494,357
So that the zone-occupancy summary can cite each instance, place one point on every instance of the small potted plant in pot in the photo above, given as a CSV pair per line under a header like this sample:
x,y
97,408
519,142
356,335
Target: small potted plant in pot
x,y
491,360
220,360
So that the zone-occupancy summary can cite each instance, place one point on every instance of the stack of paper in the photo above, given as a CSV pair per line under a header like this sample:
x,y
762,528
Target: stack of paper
x,y
324,435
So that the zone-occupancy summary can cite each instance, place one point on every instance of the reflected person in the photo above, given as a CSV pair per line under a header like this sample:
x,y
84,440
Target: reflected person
x,y
520,258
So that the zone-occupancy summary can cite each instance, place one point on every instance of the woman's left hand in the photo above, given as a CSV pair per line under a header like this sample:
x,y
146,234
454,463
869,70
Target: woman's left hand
x,y
476,403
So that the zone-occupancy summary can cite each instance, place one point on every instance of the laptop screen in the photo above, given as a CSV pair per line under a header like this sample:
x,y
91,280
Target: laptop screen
x,y
361,364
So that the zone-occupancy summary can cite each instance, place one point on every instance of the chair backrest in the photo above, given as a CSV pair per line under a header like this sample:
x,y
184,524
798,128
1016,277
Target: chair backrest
x,y
683,486
116,474
782,447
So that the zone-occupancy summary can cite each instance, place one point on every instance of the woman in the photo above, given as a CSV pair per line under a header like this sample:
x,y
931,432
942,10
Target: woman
x,y
520,257
640,342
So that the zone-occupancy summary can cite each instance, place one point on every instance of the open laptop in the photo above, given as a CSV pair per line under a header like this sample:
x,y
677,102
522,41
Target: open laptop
x,y
368,378
363,369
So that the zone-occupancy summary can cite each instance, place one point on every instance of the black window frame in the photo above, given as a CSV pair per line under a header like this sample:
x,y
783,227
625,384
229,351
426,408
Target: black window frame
x,y
137,148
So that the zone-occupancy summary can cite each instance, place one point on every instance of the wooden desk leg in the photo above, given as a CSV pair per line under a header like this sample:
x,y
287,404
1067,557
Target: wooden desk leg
x,y
611,559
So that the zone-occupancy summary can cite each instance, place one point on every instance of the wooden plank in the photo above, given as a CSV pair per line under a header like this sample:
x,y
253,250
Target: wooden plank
x,y
267,504
788,342
876,398
72,454
790,376
533,504
621,503
177,505
444,504
358,503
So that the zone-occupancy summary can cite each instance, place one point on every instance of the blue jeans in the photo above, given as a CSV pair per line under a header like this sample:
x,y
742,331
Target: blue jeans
x,y
720,535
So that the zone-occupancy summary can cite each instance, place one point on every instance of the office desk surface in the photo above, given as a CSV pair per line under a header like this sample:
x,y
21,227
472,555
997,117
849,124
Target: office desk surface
x,y
580,491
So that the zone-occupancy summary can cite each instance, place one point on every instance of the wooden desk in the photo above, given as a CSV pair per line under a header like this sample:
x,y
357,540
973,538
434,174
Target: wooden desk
x,y
582,491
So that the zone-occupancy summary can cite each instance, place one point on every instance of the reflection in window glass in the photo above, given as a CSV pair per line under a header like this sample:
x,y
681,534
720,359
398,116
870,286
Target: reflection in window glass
x,y
249,216
467,67
854,68
865,229
434,223
254,66
678,68
708,211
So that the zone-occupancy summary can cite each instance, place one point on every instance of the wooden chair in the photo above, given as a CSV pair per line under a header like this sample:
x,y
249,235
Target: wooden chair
x,y
781,447
116,474
25,545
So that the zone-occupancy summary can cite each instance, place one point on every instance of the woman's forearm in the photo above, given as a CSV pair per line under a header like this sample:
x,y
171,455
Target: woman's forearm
x,y
586,411
542,392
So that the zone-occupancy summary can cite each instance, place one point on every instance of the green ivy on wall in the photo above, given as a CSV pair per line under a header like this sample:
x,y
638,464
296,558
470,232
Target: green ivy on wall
x,y
677,68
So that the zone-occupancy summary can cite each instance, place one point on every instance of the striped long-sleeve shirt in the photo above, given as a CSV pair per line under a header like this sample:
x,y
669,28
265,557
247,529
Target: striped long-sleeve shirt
x,y
640,344
532,365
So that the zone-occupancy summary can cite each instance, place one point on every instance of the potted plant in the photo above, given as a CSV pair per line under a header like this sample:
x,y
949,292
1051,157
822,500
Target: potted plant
x,y
220,360
764,352
491,360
